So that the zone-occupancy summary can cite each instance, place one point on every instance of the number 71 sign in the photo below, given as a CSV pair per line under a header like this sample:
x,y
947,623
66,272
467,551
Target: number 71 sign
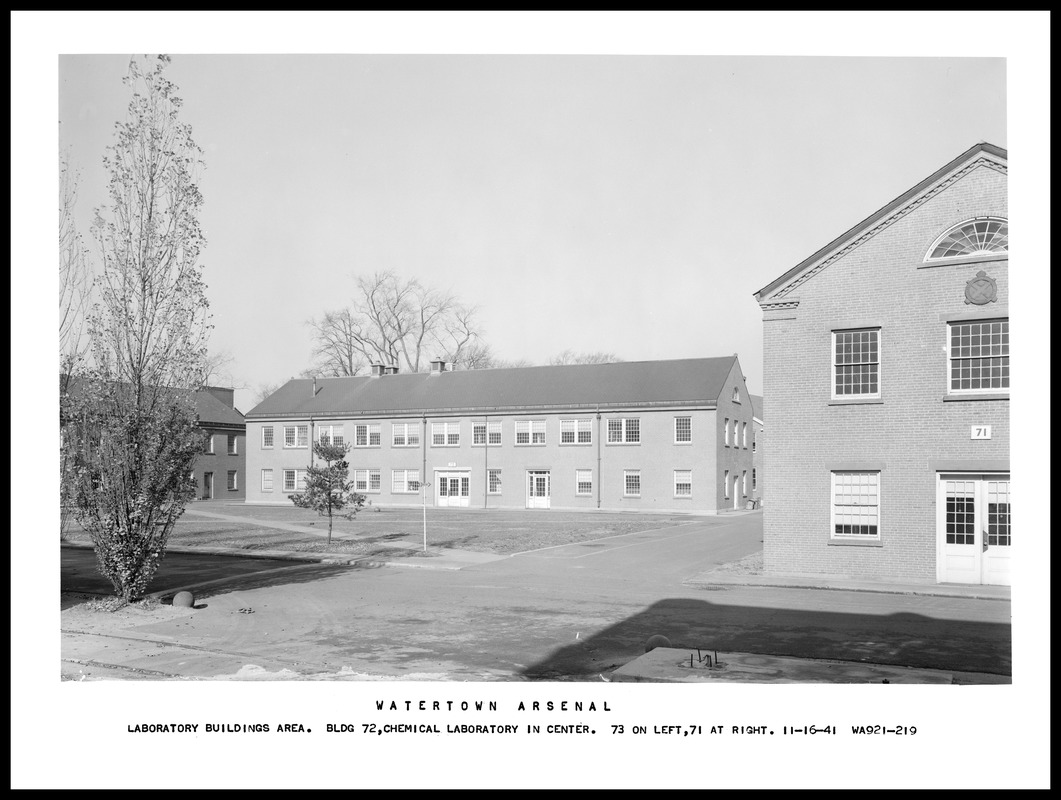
x,y
980,432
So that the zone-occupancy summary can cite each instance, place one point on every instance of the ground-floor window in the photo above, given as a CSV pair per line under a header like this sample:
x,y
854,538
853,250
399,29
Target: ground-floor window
x,y
405,481
494,481
856,505
583,482
632,483
267,480
683,483
725,484
366,480
232,480
294,480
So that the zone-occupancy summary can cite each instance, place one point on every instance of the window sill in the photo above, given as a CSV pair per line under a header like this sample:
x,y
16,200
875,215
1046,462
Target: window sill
x,y
957,398
623,444
855,543
576,444
867,401
960,260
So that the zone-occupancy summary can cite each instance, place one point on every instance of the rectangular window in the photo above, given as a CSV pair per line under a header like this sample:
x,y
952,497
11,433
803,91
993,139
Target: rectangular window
x,y
232,444
683,483
754,441
624,431
209,446
530,431
367,435
294,480
494,481
979,356
232,480
296,436
267,480
856,363
725,431
366,480
483,432
405,481
576,431
631,483
330,434
405,434
856,505
744,483
725,484
267,437
683,430
584,481
445,434
753,477
744,434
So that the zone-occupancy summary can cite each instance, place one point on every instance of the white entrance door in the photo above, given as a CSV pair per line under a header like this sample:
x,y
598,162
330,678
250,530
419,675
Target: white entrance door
x,y
538,488
454,489
973,528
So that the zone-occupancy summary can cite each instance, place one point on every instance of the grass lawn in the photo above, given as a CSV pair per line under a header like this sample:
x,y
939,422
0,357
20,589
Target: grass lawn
x,y
374,531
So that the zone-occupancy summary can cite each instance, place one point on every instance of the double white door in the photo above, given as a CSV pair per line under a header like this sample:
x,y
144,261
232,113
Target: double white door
x,y
538,488
974,531
454,489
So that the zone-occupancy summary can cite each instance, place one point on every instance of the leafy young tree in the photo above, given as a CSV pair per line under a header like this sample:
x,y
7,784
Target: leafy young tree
x,y
396,322
328,488
130,427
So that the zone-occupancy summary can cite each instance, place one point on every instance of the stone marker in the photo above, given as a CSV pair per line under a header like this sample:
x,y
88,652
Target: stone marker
x,y
184,599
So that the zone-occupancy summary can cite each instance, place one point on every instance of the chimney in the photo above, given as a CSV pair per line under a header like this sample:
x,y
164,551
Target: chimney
x,y
438,365
378,369
393,370
314,386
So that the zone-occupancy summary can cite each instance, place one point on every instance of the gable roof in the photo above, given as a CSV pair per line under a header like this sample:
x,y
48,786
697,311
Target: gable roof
x,y
210,409
973,153
757,406
693,381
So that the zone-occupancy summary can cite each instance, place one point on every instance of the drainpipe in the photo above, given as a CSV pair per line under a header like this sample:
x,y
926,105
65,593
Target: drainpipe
x,y
423,469
600,480
486,459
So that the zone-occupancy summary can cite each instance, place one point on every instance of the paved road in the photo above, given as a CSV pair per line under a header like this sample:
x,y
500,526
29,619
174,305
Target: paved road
x,y
570,613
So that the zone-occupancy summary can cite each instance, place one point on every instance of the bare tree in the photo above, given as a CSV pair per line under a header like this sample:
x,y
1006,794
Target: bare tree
x,y
74,273
396,322
131,429
571,357
264,390
481,356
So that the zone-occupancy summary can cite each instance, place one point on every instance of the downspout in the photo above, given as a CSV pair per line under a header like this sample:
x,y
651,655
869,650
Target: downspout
x,y
600,480
486,460
423,468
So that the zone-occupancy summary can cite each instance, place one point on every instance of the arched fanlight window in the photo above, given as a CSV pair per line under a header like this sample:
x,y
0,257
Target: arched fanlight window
x,y
981,236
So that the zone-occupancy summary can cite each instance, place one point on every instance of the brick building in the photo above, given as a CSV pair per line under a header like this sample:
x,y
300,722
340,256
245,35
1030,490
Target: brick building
x,y
220,470
886,361
641,436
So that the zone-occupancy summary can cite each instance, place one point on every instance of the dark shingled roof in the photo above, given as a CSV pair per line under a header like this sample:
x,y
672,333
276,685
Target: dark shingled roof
x,y
210,409
692,381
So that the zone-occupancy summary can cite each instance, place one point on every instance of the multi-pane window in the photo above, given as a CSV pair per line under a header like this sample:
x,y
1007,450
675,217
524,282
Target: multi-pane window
x,y
445,434
631,483
330,434
576,431
683,430
530,431
744,434
405,481
683,483
493,478
294,480
976,237
583,481
856,363
998,508
208,447
232,444
267,480
979,356
754,441
232,480
486,432
296,436
753,479
405,434
856,504
960,510
744,483
624,431
725,484
725,431
367,434
366,480
267,437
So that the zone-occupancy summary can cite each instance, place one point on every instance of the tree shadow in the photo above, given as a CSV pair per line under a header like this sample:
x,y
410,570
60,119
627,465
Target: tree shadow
x,y
901,639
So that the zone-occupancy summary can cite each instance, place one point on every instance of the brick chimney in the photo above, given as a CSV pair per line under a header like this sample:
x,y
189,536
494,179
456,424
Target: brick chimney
x,y
378,369
438,365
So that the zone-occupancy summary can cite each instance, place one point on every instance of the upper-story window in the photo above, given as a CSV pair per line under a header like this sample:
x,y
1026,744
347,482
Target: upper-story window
x,y
624,431
856,363
683,430
978,353
445,434
366,435
486,433
267,437
330,434
530,431
405,434
576,431
296,436
976,237
232,444
736,394
208,446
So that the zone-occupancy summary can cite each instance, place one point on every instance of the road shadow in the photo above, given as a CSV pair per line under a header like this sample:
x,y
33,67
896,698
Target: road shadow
x,y
902,639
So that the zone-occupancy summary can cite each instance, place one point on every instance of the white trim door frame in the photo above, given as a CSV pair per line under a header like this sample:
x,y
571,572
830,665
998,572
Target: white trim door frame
x,y
973,528
453,488
539,488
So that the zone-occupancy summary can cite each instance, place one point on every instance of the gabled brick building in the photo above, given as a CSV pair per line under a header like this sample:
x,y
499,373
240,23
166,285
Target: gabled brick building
x,y
219,472
640,436
886,362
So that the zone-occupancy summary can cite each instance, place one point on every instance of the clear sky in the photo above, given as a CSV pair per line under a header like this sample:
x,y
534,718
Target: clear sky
x,y
627,189
627,203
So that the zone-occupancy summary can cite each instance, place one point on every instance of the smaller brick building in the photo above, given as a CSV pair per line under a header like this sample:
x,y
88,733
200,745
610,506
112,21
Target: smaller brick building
x,y
219,473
